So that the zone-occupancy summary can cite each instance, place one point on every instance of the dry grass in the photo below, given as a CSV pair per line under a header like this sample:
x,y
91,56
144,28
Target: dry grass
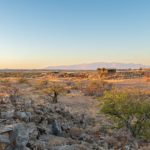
x,y
31,86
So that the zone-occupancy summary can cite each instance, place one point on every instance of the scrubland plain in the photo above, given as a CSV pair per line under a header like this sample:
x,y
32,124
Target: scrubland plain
x,y
75,110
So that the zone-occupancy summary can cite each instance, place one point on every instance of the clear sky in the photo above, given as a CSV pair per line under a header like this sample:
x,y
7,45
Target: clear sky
x,y
39,33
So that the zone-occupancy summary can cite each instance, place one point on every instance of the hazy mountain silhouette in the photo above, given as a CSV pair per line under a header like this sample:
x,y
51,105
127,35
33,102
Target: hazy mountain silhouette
x,y
94,66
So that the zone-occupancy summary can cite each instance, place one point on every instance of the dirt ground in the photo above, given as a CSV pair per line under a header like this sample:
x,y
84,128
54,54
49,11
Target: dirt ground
x,y
81,104
140,83
81,109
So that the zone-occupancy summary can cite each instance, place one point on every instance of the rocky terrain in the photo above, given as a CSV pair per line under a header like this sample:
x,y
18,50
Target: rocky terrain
x,y
29,120
71,124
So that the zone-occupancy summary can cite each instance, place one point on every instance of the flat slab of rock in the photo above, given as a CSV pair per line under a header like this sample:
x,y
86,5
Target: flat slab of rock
x,y
4,139
6,129
7,115
71,147
2,120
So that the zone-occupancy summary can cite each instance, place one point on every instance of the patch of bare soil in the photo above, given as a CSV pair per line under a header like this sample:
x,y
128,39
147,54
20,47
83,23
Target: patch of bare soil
x,y
81,104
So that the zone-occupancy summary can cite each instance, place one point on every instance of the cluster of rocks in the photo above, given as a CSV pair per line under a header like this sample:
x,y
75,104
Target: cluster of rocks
x,y
52,127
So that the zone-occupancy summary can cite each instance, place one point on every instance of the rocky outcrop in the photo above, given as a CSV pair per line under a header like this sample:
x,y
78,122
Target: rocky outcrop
x,y
54,127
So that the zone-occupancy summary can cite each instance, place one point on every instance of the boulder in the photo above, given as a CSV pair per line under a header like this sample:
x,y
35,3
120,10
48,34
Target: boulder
x,y
33,131
19,137
85,137
59,141
7,115
56,128
72,147
25,116
75,132
4,139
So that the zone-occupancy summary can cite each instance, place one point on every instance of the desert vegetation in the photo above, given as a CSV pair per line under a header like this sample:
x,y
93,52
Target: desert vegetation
x,y
129,110
53,91
82,110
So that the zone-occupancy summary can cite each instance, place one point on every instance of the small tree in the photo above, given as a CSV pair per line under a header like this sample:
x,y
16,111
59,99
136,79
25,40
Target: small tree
x,y
54,91
129,111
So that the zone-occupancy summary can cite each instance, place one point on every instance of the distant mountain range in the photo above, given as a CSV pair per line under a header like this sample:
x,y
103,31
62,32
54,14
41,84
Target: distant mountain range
x,y
94,66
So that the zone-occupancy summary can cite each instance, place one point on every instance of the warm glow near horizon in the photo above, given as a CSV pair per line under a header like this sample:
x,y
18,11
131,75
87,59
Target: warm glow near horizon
x,y
37,34
39,65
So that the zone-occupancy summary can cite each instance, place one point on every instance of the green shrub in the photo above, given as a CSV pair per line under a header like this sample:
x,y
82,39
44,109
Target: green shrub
x,y
128,110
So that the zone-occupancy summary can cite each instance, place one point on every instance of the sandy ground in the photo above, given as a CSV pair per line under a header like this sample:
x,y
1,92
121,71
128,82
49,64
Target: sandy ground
x,y
81,104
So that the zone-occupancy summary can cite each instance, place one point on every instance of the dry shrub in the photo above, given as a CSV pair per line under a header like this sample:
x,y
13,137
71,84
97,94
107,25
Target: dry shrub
x,y
44,83
14,96
76,85
96,88
5,82
138,92
23,81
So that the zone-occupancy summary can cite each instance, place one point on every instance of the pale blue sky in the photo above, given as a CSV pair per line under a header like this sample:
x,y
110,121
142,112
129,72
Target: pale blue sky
x,y
39,33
